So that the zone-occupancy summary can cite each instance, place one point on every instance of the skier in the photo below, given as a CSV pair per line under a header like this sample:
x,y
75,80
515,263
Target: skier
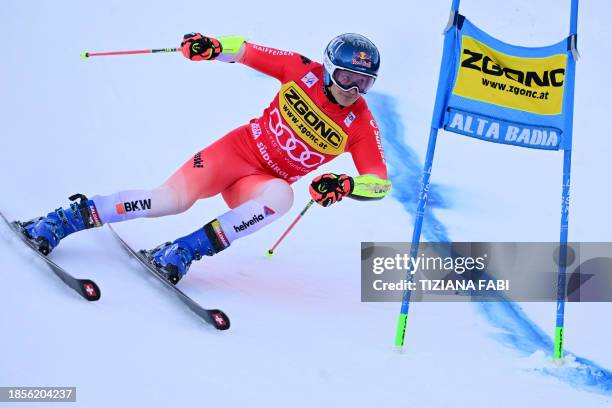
x,y
317,115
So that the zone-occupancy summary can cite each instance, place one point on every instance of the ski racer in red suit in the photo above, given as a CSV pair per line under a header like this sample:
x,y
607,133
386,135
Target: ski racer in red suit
x,y
318,114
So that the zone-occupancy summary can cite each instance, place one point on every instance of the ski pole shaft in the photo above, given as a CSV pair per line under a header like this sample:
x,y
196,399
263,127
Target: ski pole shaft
x,y
299,217
86,54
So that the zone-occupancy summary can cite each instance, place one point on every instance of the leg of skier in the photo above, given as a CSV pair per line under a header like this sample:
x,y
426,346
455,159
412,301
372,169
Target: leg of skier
x,y
255,197
206,174
209,172
255,201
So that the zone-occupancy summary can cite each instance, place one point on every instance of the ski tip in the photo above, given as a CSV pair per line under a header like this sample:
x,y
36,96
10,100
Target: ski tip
x,y
219,319
89,290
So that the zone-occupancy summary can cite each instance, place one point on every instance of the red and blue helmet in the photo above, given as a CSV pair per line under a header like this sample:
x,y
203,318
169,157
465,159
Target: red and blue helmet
x,y
351,61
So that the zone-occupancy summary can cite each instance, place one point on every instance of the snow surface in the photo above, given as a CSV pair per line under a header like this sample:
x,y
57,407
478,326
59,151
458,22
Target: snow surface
x,y
300,335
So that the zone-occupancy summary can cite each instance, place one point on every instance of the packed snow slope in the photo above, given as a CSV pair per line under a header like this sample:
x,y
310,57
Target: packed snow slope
x,y
300,334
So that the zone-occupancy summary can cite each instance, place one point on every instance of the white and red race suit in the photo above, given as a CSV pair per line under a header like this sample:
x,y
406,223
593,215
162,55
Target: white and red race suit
x,y
254,165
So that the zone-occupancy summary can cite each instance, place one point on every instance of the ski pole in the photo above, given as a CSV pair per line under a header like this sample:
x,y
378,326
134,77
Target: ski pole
x,y
86,54
299,217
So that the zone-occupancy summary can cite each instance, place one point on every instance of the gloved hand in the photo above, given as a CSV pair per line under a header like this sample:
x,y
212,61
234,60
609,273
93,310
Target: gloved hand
x,y
328,188
196,47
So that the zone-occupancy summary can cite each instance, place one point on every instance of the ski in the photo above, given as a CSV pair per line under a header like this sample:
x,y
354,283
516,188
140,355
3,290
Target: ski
x,y
215,317
87,288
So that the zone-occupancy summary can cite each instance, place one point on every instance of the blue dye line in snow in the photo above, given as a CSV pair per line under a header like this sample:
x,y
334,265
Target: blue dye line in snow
x,y
405,169
516,330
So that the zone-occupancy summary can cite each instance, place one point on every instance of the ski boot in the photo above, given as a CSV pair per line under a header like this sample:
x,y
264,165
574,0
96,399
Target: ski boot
x,y
46,232
173,259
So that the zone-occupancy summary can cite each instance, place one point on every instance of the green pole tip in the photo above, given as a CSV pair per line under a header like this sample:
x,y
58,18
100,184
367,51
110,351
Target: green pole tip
x,y
269,253
558,351
401,330
84,55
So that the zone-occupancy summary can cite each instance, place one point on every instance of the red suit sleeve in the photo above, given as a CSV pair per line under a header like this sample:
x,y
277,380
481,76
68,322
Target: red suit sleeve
x,y
272,62
366,148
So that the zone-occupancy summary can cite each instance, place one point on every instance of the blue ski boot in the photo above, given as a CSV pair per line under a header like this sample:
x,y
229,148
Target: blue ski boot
x,y
173,259
46,232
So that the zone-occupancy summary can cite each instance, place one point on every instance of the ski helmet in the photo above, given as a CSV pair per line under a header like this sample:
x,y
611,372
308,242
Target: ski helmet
x,y
351,61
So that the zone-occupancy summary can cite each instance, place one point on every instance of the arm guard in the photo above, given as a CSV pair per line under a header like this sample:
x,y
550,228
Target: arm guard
x,y
369,187
233,48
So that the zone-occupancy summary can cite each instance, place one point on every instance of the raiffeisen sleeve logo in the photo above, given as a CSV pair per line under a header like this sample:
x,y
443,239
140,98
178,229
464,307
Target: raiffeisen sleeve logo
x,y
308,122
534,85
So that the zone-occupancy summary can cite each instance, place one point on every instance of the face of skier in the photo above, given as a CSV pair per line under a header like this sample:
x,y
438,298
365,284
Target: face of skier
x,y
344,98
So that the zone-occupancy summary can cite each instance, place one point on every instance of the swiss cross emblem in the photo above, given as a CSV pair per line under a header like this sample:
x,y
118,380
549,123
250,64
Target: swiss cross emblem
x,y
89,289
219,319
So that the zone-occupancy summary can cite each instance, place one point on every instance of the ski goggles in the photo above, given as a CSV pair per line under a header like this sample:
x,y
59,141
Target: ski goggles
x,y
347,80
